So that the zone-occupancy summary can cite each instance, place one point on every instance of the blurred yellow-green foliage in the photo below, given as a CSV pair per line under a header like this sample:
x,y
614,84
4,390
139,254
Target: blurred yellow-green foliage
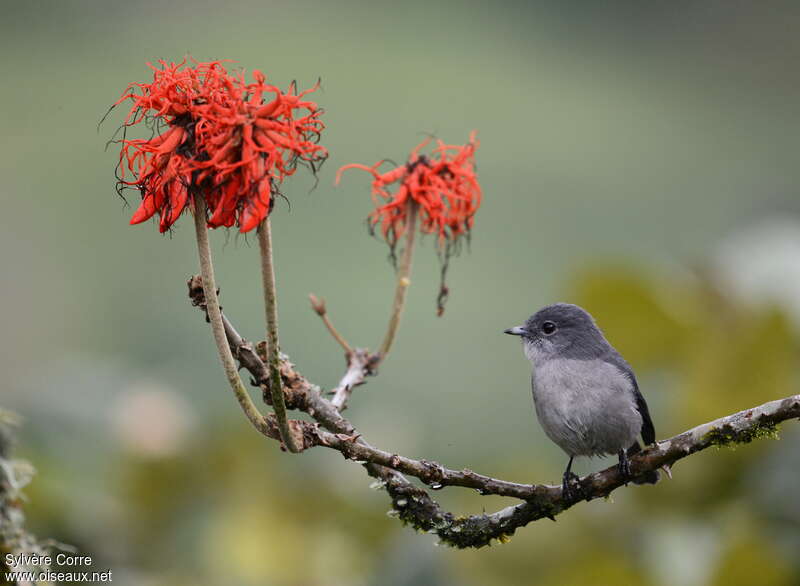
x,y
639,159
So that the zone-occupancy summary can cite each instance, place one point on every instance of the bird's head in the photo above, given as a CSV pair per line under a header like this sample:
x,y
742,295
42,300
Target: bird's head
x,y
561,330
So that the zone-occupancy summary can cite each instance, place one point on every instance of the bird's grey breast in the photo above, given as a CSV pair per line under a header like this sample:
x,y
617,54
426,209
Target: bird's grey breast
x,y
587,407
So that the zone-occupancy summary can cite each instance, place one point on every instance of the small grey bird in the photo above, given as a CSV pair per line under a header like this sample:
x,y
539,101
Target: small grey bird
x,y
586,396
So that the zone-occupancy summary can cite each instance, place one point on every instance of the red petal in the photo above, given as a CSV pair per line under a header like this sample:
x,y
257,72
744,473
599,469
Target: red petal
x,y
145,210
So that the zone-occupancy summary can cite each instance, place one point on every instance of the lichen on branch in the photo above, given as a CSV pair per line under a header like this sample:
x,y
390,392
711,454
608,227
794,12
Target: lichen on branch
x,y
414,505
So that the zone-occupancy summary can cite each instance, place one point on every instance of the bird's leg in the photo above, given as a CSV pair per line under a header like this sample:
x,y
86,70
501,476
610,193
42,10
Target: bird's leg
x,y
566,489
624,466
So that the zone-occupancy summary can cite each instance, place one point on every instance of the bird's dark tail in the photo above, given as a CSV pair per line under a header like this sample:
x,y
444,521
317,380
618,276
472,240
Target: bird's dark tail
x,y
650,477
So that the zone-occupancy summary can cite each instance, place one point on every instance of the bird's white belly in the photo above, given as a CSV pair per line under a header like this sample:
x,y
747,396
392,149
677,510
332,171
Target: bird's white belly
x,y
587,407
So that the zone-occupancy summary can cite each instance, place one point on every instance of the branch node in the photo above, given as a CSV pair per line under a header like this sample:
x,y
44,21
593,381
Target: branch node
x,y
433,474
360,364
318,305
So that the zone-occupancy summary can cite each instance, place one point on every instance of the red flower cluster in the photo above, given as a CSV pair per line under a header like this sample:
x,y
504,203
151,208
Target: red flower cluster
x,y
441,187
217,136
443,184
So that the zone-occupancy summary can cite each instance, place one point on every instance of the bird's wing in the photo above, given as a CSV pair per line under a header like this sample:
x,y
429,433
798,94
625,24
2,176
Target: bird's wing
x,y
648,429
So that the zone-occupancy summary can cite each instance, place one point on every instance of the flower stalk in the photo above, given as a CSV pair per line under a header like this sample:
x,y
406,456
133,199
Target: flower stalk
x,y
403,279
443,187
271,320
215,318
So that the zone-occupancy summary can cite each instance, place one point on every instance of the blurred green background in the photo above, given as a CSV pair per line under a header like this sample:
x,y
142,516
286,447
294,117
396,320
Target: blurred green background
x,y
637,158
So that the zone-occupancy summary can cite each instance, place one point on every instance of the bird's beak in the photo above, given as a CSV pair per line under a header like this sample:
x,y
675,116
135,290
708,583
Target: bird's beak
x,y
515,331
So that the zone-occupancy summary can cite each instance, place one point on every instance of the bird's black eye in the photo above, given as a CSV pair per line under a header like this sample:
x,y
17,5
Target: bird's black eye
x,y
548,328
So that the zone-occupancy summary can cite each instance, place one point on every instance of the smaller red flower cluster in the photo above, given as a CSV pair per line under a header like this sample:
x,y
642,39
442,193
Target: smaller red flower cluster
x,y
217,136
443,184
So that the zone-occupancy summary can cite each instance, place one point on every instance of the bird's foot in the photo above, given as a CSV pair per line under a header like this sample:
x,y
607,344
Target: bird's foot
x,y
624,467
567,489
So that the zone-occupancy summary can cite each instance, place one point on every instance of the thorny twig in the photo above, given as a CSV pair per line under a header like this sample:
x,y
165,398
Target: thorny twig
x,y
414,505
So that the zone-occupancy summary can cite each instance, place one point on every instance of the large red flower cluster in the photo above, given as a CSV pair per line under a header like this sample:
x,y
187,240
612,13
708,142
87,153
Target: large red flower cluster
x,y
443,184
217,136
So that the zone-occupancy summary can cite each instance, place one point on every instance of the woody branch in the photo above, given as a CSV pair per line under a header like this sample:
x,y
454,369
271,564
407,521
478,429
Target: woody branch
x,y
414,505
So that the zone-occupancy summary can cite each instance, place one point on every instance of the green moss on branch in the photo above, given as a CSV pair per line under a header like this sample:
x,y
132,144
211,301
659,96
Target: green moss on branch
x,y
727,436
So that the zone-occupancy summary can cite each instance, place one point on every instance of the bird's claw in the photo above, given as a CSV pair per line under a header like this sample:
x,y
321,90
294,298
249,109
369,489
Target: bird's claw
x,y
566,485
624,467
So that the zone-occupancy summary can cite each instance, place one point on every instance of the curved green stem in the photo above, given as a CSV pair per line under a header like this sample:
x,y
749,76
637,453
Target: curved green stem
x,y
271,319
215,317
